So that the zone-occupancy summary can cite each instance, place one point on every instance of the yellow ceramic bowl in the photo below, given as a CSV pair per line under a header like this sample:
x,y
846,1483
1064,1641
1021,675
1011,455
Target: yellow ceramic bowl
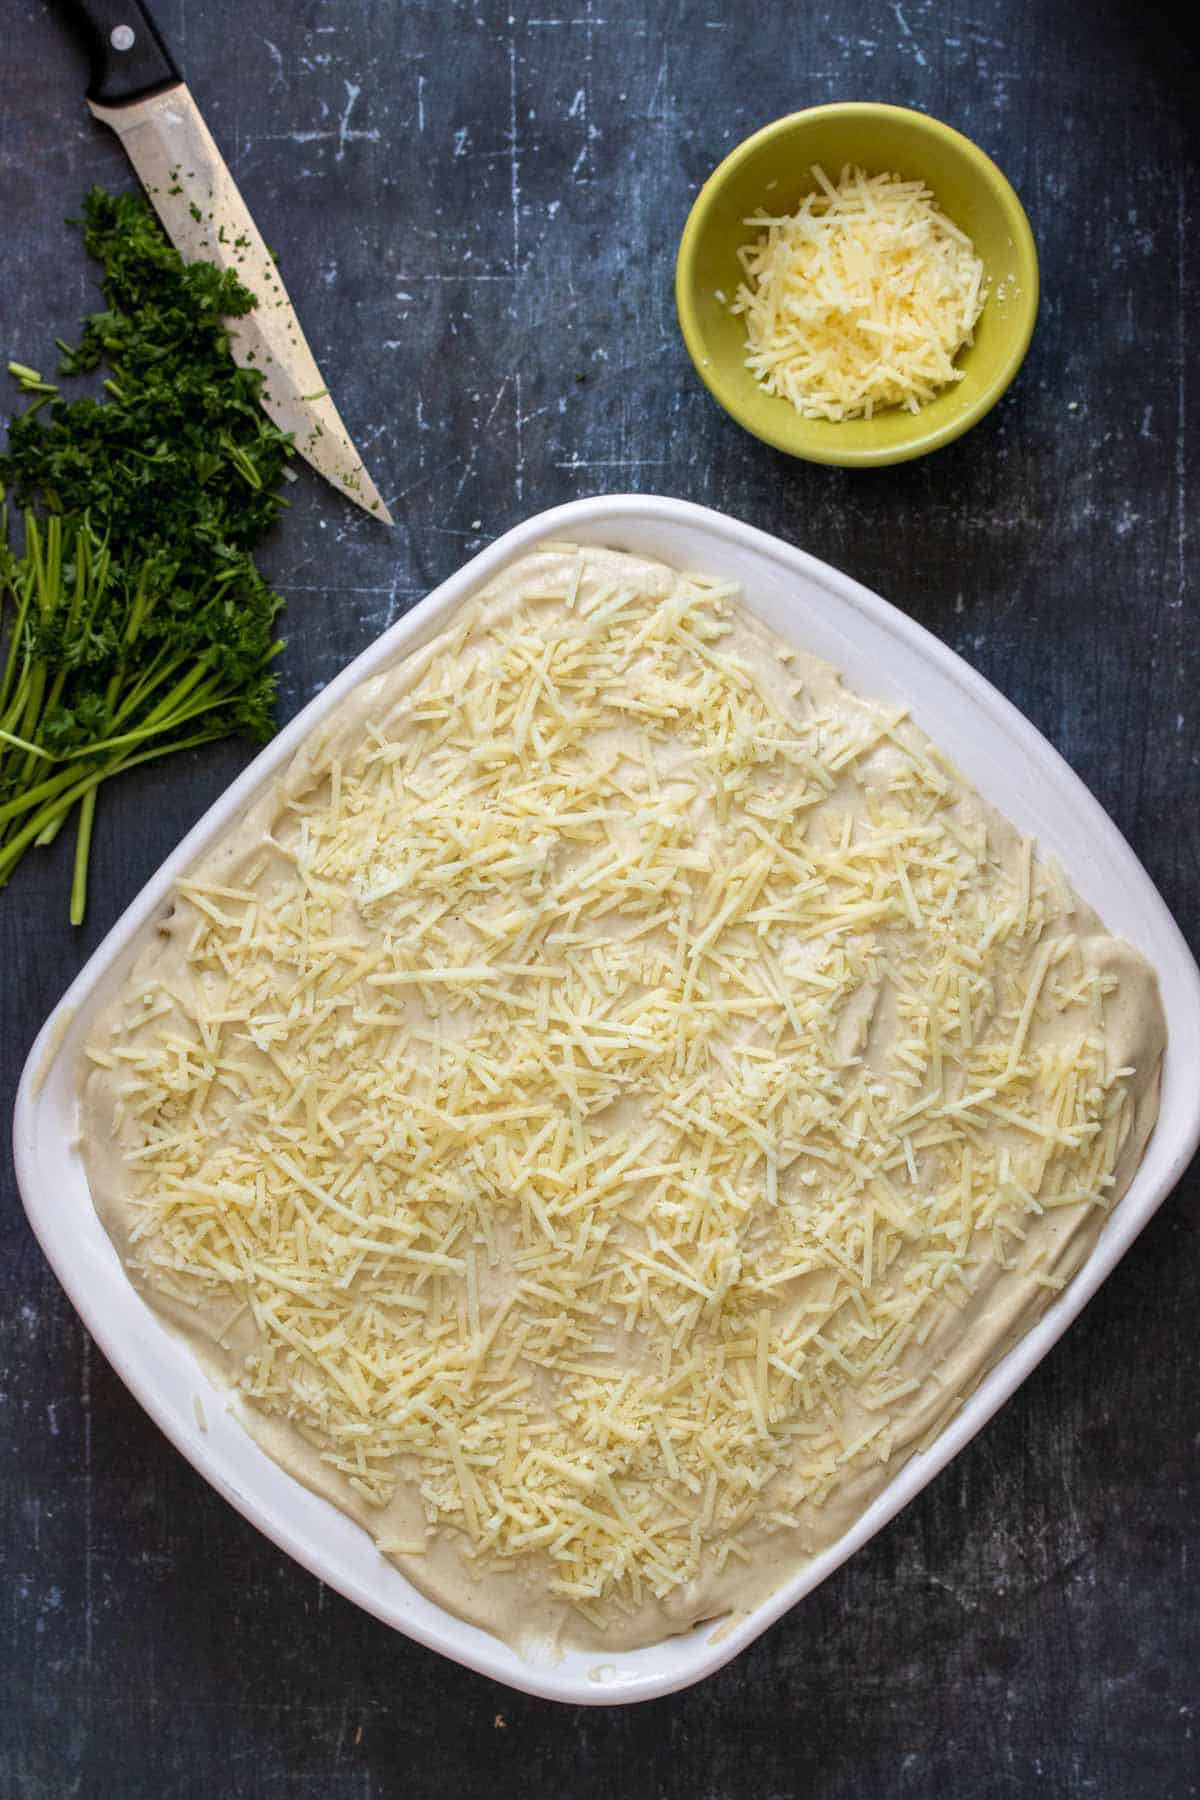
x,y
880,139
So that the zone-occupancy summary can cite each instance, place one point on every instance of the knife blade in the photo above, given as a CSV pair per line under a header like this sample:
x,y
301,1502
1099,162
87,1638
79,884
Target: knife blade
x,y
137,90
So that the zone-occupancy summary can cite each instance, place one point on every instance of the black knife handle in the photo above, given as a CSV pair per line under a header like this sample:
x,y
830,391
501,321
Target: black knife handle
x,y
128,57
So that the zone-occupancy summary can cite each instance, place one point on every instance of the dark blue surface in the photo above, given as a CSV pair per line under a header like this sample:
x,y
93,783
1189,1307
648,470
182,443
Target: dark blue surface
x,y
477,213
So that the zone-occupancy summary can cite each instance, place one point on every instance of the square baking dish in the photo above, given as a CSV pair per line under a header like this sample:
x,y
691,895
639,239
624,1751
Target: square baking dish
x,y
883,654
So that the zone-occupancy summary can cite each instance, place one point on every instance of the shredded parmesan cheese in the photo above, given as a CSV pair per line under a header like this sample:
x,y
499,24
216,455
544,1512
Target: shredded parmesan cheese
x,y
861,299
606,1074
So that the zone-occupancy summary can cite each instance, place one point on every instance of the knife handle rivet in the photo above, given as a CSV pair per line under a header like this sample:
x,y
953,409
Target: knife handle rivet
x,y
122,37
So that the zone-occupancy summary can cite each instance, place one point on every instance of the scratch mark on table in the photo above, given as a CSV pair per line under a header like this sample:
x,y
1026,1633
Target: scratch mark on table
x,y
580,164
514,156
906,31
277,75
575,461
480,438
353,90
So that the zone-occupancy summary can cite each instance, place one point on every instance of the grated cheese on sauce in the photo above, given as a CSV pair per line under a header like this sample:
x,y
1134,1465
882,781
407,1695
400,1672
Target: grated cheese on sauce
x,y
609,1070
860,300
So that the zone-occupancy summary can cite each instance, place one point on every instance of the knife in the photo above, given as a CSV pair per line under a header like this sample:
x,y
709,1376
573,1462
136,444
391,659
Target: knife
x,y
137,89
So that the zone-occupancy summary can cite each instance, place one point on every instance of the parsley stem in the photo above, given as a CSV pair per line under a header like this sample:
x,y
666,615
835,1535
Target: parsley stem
x,y
153,677
32,796
143,732
31,382
11,853
51,832
16,646
82,540
10,737
83,845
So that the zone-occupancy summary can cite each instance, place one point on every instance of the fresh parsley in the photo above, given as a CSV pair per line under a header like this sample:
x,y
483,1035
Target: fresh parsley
x,y
133,619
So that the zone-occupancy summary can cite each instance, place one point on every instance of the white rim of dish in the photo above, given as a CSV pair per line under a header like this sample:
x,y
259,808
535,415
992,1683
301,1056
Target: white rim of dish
x,y
677,1662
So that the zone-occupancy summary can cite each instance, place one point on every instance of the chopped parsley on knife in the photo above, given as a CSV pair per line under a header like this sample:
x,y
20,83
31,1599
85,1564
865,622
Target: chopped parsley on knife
x,y
133,618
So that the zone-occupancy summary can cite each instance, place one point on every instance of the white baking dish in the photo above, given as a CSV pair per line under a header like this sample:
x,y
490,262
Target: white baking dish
x,y
883,653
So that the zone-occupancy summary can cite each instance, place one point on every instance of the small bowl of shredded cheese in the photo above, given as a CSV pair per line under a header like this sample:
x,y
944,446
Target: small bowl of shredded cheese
x,y
857,284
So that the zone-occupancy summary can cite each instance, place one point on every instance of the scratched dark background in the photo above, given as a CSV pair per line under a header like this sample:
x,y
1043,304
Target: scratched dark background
x,y
478,215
